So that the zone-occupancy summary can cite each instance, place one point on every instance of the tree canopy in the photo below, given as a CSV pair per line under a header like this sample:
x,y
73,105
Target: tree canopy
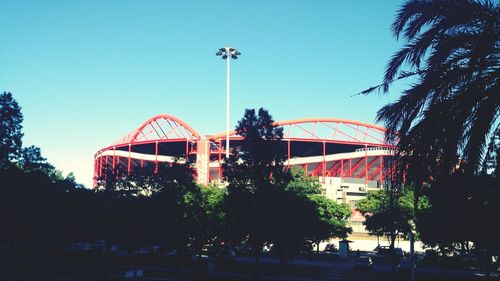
x,y
11,135
256,179
389,212
264,203
269,204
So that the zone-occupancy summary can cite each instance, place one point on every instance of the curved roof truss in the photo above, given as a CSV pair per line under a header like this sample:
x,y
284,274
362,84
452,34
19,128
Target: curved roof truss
x,y
160,127
331,130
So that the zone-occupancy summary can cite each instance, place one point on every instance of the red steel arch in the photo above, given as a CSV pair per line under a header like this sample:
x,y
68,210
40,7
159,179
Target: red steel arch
x,y
360,148
131,151
160,127
331,130
367,163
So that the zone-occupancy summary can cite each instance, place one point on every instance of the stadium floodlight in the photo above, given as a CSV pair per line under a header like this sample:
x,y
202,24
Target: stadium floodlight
x,y
228,53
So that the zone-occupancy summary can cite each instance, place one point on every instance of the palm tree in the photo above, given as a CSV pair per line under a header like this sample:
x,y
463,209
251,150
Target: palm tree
x,y
442,121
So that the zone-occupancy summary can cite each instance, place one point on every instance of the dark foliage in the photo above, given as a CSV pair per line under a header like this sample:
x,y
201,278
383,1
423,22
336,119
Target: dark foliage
x,y
255,174
264,204
11,120
462,209
40,209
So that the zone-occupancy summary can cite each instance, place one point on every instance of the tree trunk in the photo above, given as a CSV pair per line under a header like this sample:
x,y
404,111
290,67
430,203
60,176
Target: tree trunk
x,y
412,256
392,237
392,255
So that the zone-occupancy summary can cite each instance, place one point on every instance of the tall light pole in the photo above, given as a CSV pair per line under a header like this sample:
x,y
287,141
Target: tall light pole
x,y
228,53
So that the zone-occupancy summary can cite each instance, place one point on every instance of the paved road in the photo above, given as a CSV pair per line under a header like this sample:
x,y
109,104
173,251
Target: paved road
x,y
333,271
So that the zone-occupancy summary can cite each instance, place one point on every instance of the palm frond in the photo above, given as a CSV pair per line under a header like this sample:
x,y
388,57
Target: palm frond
x,y
380,87
445,117
485,115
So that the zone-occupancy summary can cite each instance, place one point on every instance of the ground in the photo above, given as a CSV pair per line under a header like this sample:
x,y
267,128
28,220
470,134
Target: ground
x,y
312,267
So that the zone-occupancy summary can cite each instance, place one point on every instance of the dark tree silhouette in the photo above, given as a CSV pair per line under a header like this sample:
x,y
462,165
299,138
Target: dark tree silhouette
x,y
160,209
253,171
264,204
31,160
41,209
10,129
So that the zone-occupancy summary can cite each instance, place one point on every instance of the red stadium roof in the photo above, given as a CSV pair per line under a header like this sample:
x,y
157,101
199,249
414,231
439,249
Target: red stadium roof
x,y
322,146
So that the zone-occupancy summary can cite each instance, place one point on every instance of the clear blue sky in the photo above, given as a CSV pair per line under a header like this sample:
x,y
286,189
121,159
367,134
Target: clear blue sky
x,y
87,72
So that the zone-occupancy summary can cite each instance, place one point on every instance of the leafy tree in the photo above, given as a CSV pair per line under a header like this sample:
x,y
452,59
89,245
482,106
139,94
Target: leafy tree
x,y
259,159
331,219
10,129
212,222
265,203
442,224
389,212
254,170
373,202
31,160
38,205
461,210
40,212
293,219
302,183
165,208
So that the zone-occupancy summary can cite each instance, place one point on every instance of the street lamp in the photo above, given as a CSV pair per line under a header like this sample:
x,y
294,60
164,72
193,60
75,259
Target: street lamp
x,y
228,53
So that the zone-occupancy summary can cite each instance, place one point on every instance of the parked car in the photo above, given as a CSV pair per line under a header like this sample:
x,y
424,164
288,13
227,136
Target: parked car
x,y
243,249
399,252
383,250
330,248
364,262
430,257
386,251
431,254
405,264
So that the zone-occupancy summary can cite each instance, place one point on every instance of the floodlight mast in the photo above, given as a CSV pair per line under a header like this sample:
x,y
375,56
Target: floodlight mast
x,y
228,53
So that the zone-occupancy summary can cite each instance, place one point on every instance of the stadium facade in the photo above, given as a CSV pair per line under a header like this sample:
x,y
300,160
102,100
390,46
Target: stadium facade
x,y
349,157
